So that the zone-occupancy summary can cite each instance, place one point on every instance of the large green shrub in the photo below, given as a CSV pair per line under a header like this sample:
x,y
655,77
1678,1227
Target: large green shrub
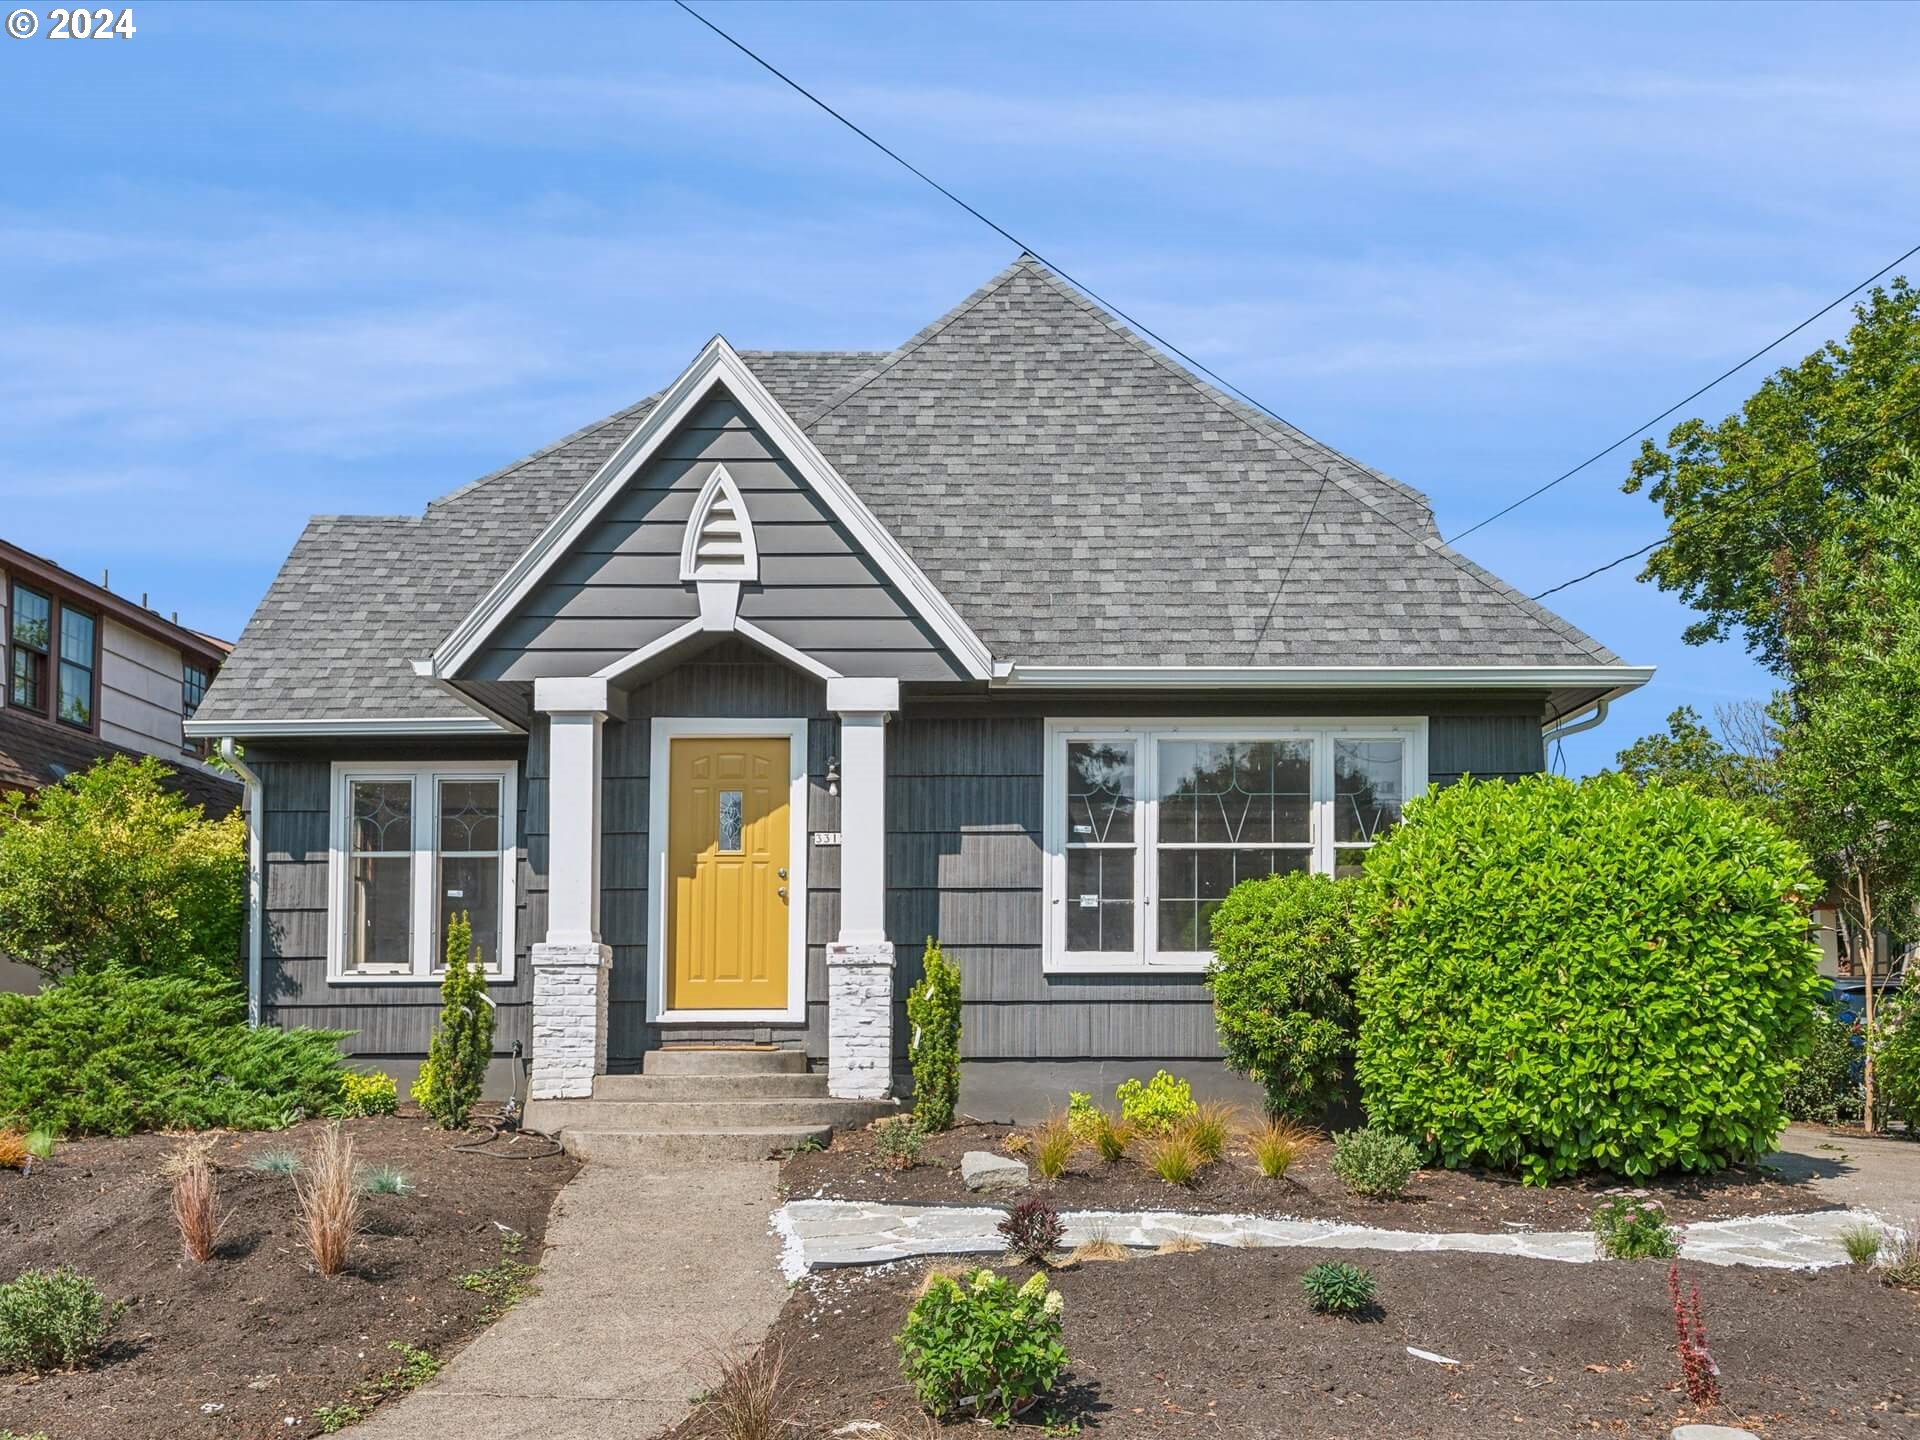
x,y
1824,1087
1282,980
1896,1052
1564,976
51,1320
110,1053
111,868
984,1346
456,1065
933,1053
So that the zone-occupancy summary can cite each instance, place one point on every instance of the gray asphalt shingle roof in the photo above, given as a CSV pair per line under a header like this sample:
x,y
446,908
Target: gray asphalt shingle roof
x,y
1078,497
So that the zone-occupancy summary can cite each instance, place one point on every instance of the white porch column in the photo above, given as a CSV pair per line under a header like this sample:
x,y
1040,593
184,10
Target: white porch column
x,y
571,967
860,961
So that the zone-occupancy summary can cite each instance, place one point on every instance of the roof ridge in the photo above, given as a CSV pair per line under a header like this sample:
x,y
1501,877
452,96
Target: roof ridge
x,y
912,343
1263,425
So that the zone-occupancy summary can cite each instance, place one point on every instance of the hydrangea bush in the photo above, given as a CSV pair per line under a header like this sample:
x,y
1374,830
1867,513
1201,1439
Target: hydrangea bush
x,y
984,1346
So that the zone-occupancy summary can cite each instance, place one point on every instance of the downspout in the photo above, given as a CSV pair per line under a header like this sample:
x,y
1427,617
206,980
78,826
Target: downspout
x,y
230,753
1560,732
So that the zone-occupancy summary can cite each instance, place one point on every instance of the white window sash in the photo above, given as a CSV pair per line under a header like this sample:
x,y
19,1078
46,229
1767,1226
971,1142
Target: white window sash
x,y
1145,735
423,964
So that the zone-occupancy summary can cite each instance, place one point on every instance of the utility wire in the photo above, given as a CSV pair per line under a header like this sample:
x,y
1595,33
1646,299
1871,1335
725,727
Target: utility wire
x,y
1754,493
1538,491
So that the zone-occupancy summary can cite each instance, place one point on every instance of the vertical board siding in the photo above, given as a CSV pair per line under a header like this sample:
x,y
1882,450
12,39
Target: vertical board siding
x,y
1487,747
733,680
386,1020
619,588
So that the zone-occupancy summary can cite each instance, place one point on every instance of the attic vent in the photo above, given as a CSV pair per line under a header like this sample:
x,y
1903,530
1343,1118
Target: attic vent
x,y
719,539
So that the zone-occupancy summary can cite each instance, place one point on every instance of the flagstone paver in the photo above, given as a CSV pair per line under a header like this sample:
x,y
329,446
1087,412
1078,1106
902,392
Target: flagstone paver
x,y
823,1234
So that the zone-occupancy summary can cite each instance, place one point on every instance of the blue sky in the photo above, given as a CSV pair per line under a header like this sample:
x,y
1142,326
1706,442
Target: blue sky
x,y
264,262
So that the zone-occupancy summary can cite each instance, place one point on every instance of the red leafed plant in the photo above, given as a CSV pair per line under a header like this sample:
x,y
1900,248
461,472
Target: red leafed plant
x,y
1690,1340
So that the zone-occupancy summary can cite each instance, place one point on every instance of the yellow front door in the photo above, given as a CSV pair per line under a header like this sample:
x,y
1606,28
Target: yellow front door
x,y
727,885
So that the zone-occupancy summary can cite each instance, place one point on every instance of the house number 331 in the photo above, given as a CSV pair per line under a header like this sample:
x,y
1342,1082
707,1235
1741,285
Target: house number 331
x,y
89,25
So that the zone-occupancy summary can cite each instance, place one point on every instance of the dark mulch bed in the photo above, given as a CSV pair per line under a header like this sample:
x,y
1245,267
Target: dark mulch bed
x,y
1221,1343
1437,1199
255,1333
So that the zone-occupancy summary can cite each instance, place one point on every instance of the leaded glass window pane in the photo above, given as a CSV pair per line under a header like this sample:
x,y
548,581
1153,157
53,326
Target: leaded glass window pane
x,y
732,822
1369,787
1229,810
468,861
380,876
1101,854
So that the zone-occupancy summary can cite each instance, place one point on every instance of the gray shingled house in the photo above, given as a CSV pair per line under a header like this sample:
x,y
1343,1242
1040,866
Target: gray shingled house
x,y
1020,636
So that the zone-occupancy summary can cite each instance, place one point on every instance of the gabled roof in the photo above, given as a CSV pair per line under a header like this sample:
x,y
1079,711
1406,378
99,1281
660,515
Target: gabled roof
x,y
37,753
1077,497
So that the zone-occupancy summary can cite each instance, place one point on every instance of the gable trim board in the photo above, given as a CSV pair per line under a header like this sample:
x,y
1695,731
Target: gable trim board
x,y
717,365
663,732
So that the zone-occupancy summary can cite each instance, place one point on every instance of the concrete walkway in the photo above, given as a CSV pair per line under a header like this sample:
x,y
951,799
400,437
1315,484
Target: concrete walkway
x,y
1878,1174
649,1275
819,1234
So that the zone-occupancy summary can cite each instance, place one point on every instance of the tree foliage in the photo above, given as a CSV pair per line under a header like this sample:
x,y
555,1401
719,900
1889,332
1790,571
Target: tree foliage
x,y
1750,498
110,868
1282,981
455,1069
933,1053
1691,754
1567,976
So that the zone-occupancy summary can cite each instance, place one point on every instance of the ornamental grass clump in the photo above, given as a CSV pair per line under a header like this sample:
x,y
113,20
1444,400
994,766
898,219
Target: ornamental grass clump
x,y
51,1320
195,1198
13,1150
1375,1163
1862,1242
1628,1229
1174,1158
751,1400
1568,976
1111,1137
982,1345
329,1200
1033,1231
1053,1146
1208,1128
1337,1288
1278,1143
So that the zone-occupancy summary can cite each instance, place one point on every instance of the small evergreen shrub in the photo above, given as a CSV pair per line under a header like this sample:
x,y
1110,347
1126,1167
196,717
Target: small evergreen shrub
x,y
1084,1117
933,1052
51,1320
1567,976
456,1065
1824,1086
109,1053
371,1094
1374,1162
1896,1054
1282,980
1173,1158
1157,1105
1627,1229
898,1141
1337,1288
1032,1231
983,1346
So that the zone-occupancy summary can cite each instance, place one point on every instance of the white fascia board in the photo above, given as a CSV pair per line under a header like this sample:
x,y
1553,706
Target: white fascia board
x,y
321,729
1619,678
718,363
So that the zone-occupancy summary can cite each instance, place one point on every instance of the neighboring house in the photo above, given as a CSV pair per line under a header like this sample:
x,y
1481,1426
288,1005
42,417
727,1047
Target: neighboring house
x,y
88,675
1019,636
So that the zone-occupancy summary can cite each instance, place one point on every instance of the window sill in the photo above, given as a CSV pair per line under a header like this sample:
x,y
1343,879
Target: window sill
x,y
1061,965
407,979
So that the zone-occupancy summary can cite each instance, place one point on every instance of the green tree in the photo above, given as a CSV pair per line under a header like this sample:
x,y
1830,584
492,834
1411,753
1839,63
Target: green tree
x,y
1850,727
933,1013
1691,754
456,1065
1750,499
110,868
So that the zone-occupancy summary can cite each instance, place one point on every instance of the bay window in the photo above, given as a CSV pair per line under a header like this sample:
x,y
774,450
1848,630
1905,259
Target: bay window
x,y
1149,824
414,846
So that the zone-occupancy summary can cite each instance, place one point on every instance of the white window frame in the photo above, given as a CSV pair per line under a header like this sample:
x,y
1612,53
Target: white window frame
x,y
1144,734
424,965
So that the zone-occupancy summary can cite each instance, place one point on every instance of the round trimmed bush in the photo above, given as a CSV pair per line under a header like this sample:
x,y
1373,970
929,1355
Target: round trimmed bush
x,y
1566,976
1282,980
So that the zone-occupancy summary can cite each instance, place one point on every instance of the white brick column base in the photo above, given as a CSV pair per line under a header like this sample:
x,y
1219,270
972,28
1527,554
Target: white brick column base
x,y
570,985
860,1020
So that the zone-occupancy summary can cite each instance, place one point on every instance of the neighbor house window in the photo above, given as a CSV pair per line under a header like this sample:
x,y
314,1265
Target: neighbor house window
x,y
1149,825
414,846
193,689
27,649
76,667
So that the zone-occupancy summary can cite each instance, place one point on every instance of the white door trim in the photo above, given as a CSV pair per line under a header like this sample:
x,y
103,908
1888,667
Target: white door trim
x,y
660,782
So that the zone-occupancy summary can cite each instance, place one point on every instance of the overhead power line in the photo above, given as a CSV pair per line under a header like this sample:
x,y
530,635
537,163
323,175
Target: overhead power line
x,y
1682,403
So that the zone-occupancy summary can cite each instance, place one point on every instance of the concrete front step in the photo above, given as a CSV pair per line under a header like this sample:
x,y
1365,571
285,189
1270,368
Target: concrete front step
x,y
805,1112
711,1087
660,1147
730,1060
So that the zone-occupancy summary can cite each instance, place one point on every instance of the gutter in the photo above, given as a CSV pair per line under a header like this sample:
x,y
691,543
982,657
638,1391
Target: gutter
x,y
1574,727
256,909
